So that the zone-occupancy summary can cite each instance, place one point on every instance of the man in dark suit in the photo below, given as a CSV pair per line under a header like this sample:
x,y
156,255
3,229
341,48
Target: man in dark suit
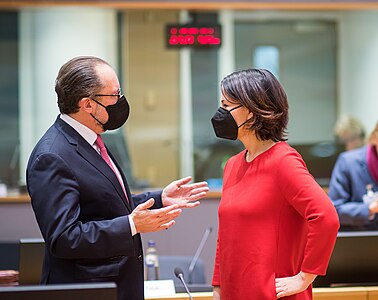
x,y
89,220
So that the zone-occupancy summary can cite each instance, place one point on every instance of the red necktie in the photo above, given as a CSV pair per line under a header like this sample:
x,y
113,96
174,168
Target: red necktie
x,y
104,154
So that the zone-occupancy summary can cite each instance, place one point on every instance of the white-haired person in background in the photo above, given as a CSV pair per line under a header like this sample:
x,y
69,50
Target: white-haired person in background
x,y
350,132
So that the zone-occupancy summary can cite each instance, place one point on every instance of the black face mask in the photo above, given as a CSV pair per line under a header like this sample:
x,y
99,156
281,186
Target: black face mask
x,y
118,113
224,124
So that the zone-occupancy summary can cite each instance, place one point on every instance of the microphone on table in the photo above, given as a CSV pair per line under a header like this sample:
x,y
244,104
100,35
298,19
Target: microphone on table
x,y
180,275
198,252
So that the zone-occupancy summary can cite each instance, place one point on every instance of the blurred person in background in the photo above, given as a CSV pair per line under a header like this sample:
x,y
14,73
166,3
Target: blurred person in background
x,y
353,187
350,132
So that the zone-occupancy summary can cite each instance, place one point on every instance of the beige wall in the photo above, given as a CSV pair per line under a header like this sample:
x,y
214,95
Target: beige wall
x,y
151,85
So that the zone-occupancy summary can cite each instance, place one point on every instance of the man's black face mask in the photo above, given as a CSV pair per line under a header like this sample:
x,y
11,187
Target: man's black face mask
x,y
118,113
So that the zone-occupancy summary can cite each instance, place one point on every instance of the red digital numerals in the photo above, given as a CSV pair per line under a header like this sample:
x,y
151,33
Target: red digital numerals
x,y
194,36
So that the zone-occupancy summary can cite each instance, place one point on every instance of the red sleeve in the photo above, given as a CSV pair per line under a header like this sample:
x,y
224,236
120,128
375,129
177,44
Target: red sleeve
x,y
216,274
302,192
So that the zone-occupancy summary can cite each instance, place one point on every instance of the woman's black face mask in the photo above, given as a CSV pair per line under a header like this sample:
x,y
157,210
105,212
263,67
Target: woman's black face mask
x,y
224,124
118,113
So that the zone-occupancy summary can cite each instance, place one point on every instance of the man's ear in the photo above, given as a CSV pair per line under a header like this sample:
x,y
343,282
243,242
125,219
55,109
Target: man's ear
x,y
86,104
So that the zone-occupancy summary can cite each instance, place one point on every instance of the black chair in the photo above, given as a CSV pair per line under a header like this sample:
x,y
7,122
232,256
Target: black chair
x,y
195,279
9,255
31,254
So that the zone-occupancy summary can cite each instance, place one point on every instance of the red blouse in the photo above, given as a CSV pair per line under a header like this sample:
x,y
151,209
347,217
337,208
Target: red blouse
x,y
274,221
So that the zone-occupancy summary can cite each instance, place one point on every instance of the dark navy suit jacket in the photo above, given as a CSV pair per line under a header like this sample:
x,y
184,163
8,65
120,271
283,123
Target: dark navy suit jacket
x,y
348,184
83,213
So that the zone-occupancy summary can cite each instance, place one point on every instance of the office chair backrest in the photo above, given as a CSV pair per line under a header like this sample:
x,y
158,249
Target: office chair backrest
x,y
31,260
168,263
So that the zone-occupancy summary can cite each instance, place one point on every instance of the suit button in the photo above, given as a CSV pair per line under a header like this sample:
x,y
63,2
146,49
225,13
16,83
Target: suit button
x,y
140,257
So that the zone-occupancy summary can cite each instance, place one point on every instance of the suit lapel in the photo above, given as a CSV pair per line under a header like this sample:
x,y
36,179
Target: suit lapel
x,y
88,153
96,160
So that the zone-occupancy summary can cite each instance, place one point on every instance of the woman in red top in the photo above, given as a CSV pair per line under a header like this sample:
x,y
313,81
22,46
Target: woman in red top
x,y
277,227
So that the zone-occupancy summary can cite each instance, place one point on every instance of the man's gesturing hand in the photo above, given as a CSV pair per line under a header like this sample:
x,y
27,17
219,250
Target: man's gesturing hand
x,y
146,220
184,194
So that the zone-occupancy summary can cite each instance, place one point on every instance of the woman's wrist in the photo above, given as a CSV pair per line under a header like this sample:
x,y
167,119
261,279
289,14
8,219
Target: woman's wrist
x,y
307,278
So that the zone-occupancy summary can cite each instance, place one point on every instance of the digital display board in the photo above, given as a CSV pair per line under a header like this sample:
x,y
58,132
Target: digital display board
x,y
193,35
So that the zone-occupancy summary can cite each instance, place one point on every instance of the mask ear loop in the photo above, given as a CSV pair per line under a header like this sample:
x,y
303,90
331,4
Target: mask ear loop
x,y
237,108
97,120
94,116
99,103
243,123
245,120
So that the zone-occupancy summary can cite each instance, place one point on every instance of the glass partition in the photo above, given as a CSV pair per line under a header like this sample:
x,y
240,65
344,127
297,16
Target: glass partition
x,y
326,61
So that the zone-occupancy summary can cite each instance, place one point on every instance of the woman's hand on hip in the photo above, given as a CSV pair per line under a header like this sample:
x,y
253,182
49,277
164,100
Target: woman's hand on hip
x,y
287,286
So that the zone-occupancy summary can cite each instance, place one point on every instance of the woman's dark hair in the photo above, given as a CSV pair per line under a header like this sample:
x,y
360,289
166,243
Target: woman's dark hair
x,y
77,79
260,92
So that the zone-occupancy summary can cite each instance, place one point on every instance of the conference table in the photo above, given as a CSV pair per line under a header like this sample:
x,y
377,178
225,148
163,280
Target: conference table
x,y
334,293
